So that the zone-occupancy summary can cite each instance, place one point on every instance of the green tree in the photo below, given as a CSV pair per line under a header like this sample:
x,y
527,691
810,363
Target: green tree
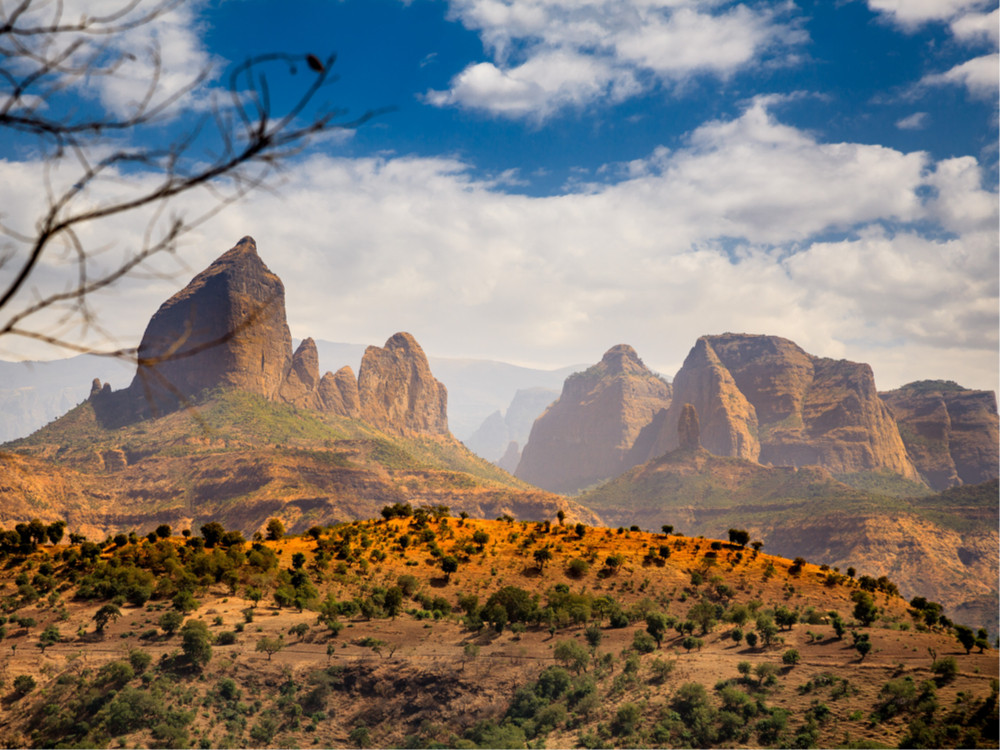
x,y
657,624
449,565
542,556
791,657
196,643
163,531
270,646
966,637
572,654
594,635
703,614
105,615
739,536
54,531
49,636
865,610
275,529
212,533
170,621
480,538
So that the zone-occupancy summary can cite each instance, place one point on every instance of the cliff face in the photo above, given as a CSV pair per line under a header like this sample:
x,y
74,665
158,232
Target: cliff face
x,y
762,398
586,434
950,432
226,328
397,391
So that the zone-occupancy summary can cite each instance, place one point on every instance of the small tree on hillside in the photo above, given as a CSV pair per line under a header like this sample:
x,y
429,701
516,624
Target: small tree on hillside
x,y
739,536
106,614
275,529
270,646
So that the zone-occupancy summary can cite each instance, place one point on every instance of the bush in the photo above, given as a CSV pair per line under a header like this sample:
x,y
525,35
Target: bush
x,y
577,568
24,684
790,657
643,642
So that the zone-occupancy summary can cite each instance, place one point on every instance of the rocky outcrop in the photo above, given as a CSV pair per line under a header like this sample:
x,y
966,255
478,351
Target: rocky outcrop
x,y
586,434
339,393
397,391
301,384
225,329
950,432
763,398
728,422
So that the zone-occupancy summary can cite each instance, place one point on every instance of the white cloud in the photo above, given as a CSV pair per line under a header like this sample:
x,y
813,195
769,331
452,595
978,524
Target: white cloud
x,y
916,121
161,50
751,225
973,27
553,54
980,75
912,13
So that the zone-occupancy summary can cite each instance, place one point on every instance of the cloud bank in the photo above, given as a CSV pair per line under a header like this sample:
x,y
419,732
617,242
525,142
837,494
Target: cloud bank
x,y
852,250
550,55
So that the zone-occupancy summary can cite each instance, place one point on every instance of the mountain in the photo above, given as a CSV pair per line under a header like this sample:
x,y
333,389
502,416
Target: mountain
x,y
950,432
500,431
223,421
764,399
585,436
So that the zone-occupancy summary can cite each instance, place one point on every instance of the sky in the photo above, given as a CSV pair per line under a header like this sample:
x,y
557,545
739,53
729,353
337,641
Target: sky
x,y
545,179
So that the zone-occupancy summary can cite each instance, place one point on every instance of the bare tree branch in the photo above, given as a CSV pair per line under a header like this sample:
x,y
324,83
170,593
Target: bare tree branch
x,y
45,59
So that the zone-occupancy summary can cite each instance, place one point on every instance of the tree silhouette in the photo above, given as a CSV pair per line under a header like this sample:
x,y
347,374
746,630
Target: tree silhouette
x,y
50,65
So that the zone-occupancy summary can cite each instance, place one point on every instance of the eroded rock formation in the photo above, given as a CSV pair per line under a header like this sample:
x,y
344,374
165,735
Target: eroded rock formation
x,y
227,330
586,434
951,433
397,391
762,398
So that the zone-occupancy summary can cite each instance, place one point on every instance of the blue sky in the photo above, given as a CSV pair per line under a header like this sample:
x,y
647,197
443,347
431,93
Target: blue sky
x,y
559,176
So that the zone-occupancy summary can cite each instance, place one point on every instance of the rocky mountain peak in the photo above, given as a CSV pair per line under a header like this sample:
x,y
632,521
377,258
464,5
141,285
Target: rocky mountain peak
x,y
622,358
226,328
951,433
585,435
764,398
397,391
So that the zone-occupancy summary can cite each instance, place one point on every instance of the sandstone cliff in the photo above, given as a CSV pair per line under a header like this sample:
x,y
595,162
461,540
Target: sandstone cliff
x,y
397,391
586,434
763,398
226,329
951,433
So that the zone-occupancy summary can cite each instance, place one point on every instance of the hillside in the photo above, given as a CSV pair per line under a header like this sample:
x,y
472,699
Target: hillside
x,y
939,546
239,459
425,630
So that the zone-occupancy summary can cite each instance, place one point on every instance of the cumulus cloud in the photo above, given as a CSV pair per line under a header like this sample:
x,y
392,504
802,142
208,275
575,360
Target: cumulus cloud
x,y
750,225
980,75
969,22
553,54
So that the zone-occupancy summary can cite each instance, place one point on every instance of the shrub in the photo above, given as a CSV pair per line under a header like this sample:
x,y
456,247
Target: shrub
x,y
790,657
577,568
643,642
23,684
